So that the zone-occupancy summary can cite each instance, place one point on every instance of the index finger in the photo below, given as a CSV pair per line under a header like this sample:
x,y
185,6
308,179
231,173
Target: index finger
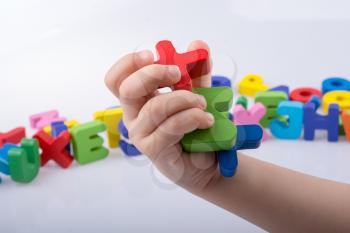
x,y
125,67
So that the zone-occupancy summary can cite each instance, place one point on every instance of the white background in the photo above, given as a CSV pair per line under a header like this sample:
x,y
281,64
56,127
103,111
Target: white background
x,y
54,54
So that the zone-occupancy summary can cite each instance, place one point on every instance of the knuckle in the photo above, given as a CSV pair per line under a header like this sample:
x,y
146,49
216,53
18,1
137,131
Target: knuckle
x,y
188,97
125,90
175,123
197,115
154,70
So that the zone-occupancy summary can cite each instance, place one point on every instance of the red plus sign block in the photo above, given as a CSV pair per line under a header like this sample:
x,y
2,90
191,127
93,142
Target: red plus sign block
x,y
192,64
54,148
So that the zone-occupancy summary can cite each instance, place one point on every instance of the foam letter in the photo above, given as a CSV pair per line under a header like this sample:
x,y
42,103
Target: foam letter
x,y
346,123
250,117
24,162
111,117
13,136
87,145
270,99
342,98
222,135
292,129
335,84
251,84
313,121
40,120
304,94
54,148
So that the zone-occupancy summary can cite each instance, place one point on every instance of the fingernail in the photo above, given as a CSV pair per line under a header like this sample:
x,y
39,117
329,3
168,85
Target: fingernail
x,y
145,55
174,71
210,118
202,102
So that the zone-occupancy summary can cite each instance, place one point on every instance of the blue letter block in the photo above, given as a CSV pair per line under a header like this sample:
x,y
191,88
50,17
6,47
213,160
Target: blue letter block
x,y
4,160
313,121
293,128
220,81
248,137
335,84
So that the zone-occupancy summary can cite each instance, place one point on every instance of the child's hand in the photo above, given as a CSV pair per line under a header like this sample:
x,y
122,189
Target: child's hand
x,y
157,122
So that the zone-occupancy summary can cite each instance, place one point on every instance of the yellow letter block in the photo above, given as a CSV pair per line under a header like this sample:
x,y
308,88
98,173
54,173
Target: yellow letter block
x,y
342,98
251,84
111,118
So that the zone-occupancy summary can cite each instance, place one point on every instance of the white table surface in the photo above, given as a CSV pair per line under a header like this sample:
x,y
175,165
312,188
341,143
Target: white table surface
x,y
54,54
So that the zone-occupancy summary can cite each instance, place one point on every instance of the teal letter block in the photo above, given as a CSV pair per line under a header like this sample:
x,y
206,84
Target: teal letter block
x,y
293,128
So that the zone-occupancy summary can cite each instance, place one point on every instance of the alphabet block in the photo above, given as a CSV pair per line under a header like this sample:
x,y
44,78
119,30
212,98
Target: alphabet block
x,y
283,88
14,136
304,94
270,99
293,128
87,144
248,137
313,121
192,64
242,100
24,162
70,124
111,117
222,135
40,120
335,84
342,98
346,122
54,148
252,84
220,81
4,164
251,116
123,130
128,149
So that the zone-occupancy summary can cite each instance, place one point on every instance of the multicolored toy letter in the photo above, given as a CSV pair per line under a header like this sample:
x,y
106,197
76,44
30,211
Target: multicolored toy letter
x,y
192,64
222,135
111,117
270,99
294,127
24,162
87,144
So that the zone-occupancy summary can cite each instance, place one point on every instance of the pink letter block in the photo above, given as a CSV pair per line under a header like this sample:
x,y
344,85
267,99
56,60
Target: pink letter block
x,y
251,116
40,120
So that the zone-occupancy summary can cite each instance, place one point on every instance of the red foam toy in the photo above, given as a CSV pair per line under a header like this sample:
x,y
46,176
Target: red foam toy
x,y
192,64
304,94
54,148
13,136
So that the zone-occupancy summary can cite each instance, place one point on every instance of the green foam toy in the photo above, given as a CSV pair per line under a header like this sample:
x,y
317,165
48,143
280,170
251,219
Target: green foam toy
x,y
242,100
222,135
24,162
270,99
87,144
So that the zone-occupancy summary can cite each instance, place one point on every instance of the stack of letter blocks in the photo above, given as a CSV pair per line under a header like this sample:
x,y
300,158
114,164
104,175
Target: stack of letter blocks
x,y
286,114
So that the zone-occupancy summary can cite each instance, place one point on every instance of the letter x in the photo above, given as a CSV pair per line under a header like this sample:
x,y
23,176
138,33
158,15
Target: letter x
x,y
54,148
192,64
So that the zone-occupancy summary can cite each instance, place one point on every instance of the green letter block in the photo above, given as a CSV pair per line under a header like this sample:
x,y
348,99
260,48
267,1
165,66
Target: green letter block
x,y
24,162
242,100
270,99
87,145
222,135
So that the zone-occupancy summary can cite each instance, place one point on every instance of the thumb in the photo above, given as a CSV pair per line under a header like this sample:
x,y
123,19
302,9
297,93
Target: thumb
x,y
204,80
